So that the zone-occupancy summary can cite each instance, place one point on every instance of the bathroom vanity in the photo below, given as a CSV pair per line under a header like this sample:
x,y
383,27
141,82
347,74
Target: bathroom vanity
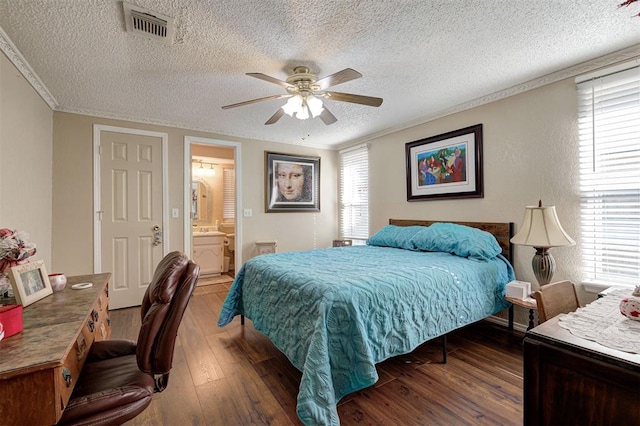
x,y
208,251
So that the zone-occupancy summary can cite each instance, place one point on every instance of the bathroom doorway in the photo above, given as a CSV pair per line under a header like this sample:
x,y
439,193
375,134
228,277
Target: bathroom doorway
x,y
212,231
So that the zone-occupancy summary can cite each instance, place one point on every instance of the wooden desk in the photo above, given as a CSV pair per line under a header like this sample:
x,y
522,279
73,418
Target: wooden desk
x,y
570,380
40,366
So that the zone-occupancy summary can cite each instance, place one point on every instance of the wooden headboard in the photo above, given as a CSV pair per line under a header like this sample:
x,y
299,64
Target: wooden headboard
x,y
503,231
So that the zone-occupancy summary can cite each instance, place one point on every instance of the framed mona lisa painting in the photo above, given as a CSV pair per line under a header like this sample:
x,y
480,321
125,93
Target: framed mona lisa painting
x,y
292,183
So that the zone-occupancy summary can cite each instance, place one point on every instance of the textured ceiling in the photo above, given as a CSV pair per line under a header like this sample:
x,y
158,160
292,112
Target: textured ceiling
x,y
423,57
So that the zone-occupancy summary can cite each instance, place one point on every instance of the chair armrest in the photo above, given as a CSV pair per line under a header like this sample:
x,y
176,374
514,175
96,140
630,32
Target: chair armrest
x,y
106,349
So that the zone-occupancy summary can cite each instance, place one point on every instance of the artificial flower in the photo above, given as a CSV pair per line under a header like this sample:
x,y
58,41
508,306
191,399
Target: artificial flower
x,y
14,248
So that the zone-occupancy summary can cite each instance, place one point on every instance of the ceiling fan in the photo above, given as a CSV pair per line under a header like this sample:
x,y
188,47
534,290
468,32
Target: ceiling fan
x,y
305,93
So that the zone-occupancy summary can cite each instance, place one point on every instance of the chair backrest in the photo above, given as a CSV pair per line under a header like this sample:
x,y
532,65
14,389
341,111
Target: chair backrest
x,y
555,299
162,308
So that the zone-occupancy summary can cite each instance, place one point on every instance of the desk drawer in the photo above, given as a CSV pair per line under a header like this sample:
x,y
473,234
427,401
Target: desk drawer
x,y
97,327
67,375
103,324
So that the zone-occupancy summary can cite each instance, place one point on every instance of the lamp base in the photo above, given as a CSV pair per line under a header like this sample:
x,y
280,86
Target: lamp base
x,y
544,266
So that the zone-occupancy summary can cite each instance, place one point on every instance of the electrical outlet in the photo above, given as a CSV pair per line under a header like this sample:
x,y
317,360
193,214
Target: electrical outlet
x,y
175,213
248,212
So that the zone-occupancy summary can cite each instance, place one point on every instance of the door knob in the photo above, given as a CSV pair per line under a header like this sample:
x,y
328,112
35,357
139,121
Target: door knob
x,y
157,235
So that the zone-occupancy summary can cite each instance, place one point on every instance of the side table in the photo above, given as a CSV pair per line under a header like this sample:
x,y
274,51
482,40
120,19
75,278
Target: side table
x,y
525,303
266,247
341,242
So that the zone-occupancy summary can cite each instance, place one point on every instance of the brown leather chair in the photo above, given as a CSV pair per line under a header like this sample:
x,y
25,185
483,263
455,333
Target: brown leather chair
x,y
555,299
120,377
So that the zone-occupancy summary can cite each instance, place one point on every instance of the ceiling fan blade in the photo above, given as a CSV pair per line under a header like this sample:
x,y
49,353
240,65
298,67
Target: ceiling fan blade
x,y
253,101
275,117
327,117
340,77
355,99
270,79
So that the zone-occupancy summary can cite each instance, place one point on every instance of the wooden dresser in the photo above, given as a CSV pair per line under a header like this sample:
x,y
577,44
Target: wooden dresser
x,y
40,366
573,381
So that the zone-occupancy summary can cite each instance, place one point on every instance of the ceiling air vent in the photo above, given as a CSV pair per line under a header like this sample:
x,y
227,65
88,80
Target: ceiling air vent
x,y
148,24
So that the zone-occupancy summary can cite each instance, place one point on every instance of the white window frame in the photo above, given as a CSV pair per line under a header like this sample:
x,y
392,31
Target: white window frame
x,y
609,156
354,194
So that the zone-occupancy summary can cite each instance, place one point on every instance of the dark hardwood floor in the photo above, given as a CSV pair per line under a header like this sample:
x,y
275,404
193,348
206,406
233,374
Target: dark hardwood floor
x,y
235,376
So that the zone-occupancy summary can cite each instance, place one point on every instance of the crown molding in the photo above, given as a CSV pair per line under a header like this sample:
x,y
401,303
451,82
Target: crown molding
x,y
16,58
175,125
619,56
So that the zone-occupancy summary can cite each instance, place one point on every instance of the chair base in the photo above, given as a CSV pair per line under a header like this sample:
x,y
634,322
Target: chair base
x,y
110,391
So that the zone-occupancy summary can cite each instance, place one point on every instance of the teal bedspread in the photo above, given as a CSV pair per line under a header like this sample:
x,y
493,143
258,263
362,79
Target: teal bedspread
x,y
337,312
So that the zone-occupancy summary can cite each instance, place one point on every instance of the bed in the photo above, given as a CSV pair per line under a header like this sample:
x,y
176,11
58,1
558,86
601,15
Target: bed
x,y
336,312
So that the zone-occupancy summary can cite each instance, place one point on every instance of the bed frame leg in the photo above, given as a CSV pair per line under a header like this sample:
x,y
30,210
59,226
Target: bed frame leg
x,y
444,349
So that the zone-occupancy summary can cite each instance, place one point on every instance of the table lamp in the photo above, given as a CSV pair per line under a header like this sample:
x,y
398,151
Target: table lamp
x,y
541,230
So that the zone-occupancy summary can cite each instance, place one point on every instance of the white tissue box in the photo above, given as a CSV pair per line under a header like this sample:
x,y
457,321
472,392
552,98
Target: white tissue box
x,y
518,289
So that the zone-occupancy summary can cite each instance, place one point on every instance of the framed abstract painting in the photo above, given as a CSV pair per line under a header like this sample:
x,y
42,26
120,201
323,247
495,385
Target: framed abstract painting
x,y
445,166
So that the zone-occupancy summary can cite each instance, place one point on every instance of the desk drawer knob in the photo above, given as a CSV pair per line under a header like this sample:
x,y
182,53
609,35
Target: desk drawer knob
x,y
66,376
92,325
95,315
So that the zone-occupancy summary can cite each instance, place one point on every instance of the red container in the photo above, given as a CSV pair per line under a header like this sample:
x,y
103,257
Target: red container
x,y
11,319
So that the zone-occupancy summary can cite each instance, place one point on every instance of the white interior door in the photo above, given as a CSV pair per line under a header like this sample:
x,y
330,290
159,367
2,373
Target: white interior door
x,y
131,219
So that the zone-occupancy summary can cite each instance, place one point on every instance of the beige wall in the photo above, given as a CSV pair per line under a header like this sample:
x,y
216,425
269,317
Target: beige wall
x,y
293,231
73,189
25,160
530,152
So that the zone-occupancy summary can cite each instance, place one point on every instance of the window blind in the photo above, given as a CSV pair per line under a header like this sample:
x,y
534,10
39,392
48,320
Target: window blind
x,y
354,194
228,194
609,152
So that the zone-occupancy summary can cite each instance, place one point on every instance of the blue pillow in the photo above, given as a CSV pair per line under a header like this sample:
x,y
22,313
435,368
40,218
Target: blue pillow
x,y
395,236
460,240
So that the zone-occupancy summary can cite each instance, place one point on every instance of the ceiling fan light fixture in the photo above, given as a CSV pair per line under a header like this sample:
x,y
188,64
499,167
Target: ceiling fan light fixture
x,y
315,106
307,95
293,105
303,112
303,106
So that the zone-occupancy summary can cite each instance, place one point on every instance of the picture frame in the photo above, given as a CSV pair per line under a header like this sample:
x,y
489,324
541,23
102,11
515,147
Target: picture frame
x,y
445,166
292,183
30,282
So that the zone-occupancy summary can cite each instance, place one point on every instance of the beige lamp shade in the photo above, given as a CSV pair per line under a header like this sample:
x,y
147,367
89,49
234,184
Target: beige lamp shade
x,y
541,228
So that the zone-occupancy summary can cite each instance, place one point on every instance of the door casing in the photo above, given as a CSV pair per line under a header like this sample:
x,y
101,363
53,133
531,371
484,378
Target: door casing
x,y
188,141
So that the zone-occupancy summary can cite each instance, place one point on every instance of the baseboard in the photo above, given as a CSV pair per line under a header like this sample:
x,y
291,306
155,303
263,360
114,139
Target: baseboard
x,y
504,322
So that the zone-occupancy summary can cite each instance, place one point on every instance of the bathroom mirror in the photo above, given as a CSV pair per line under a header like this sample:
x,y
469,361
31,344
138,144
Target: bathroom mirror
x,y
199,200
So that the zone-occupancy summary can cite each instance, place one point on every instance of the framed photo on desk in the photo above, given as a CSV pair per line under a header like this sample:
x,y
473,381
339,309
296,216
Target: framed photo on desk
x,y
30,282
